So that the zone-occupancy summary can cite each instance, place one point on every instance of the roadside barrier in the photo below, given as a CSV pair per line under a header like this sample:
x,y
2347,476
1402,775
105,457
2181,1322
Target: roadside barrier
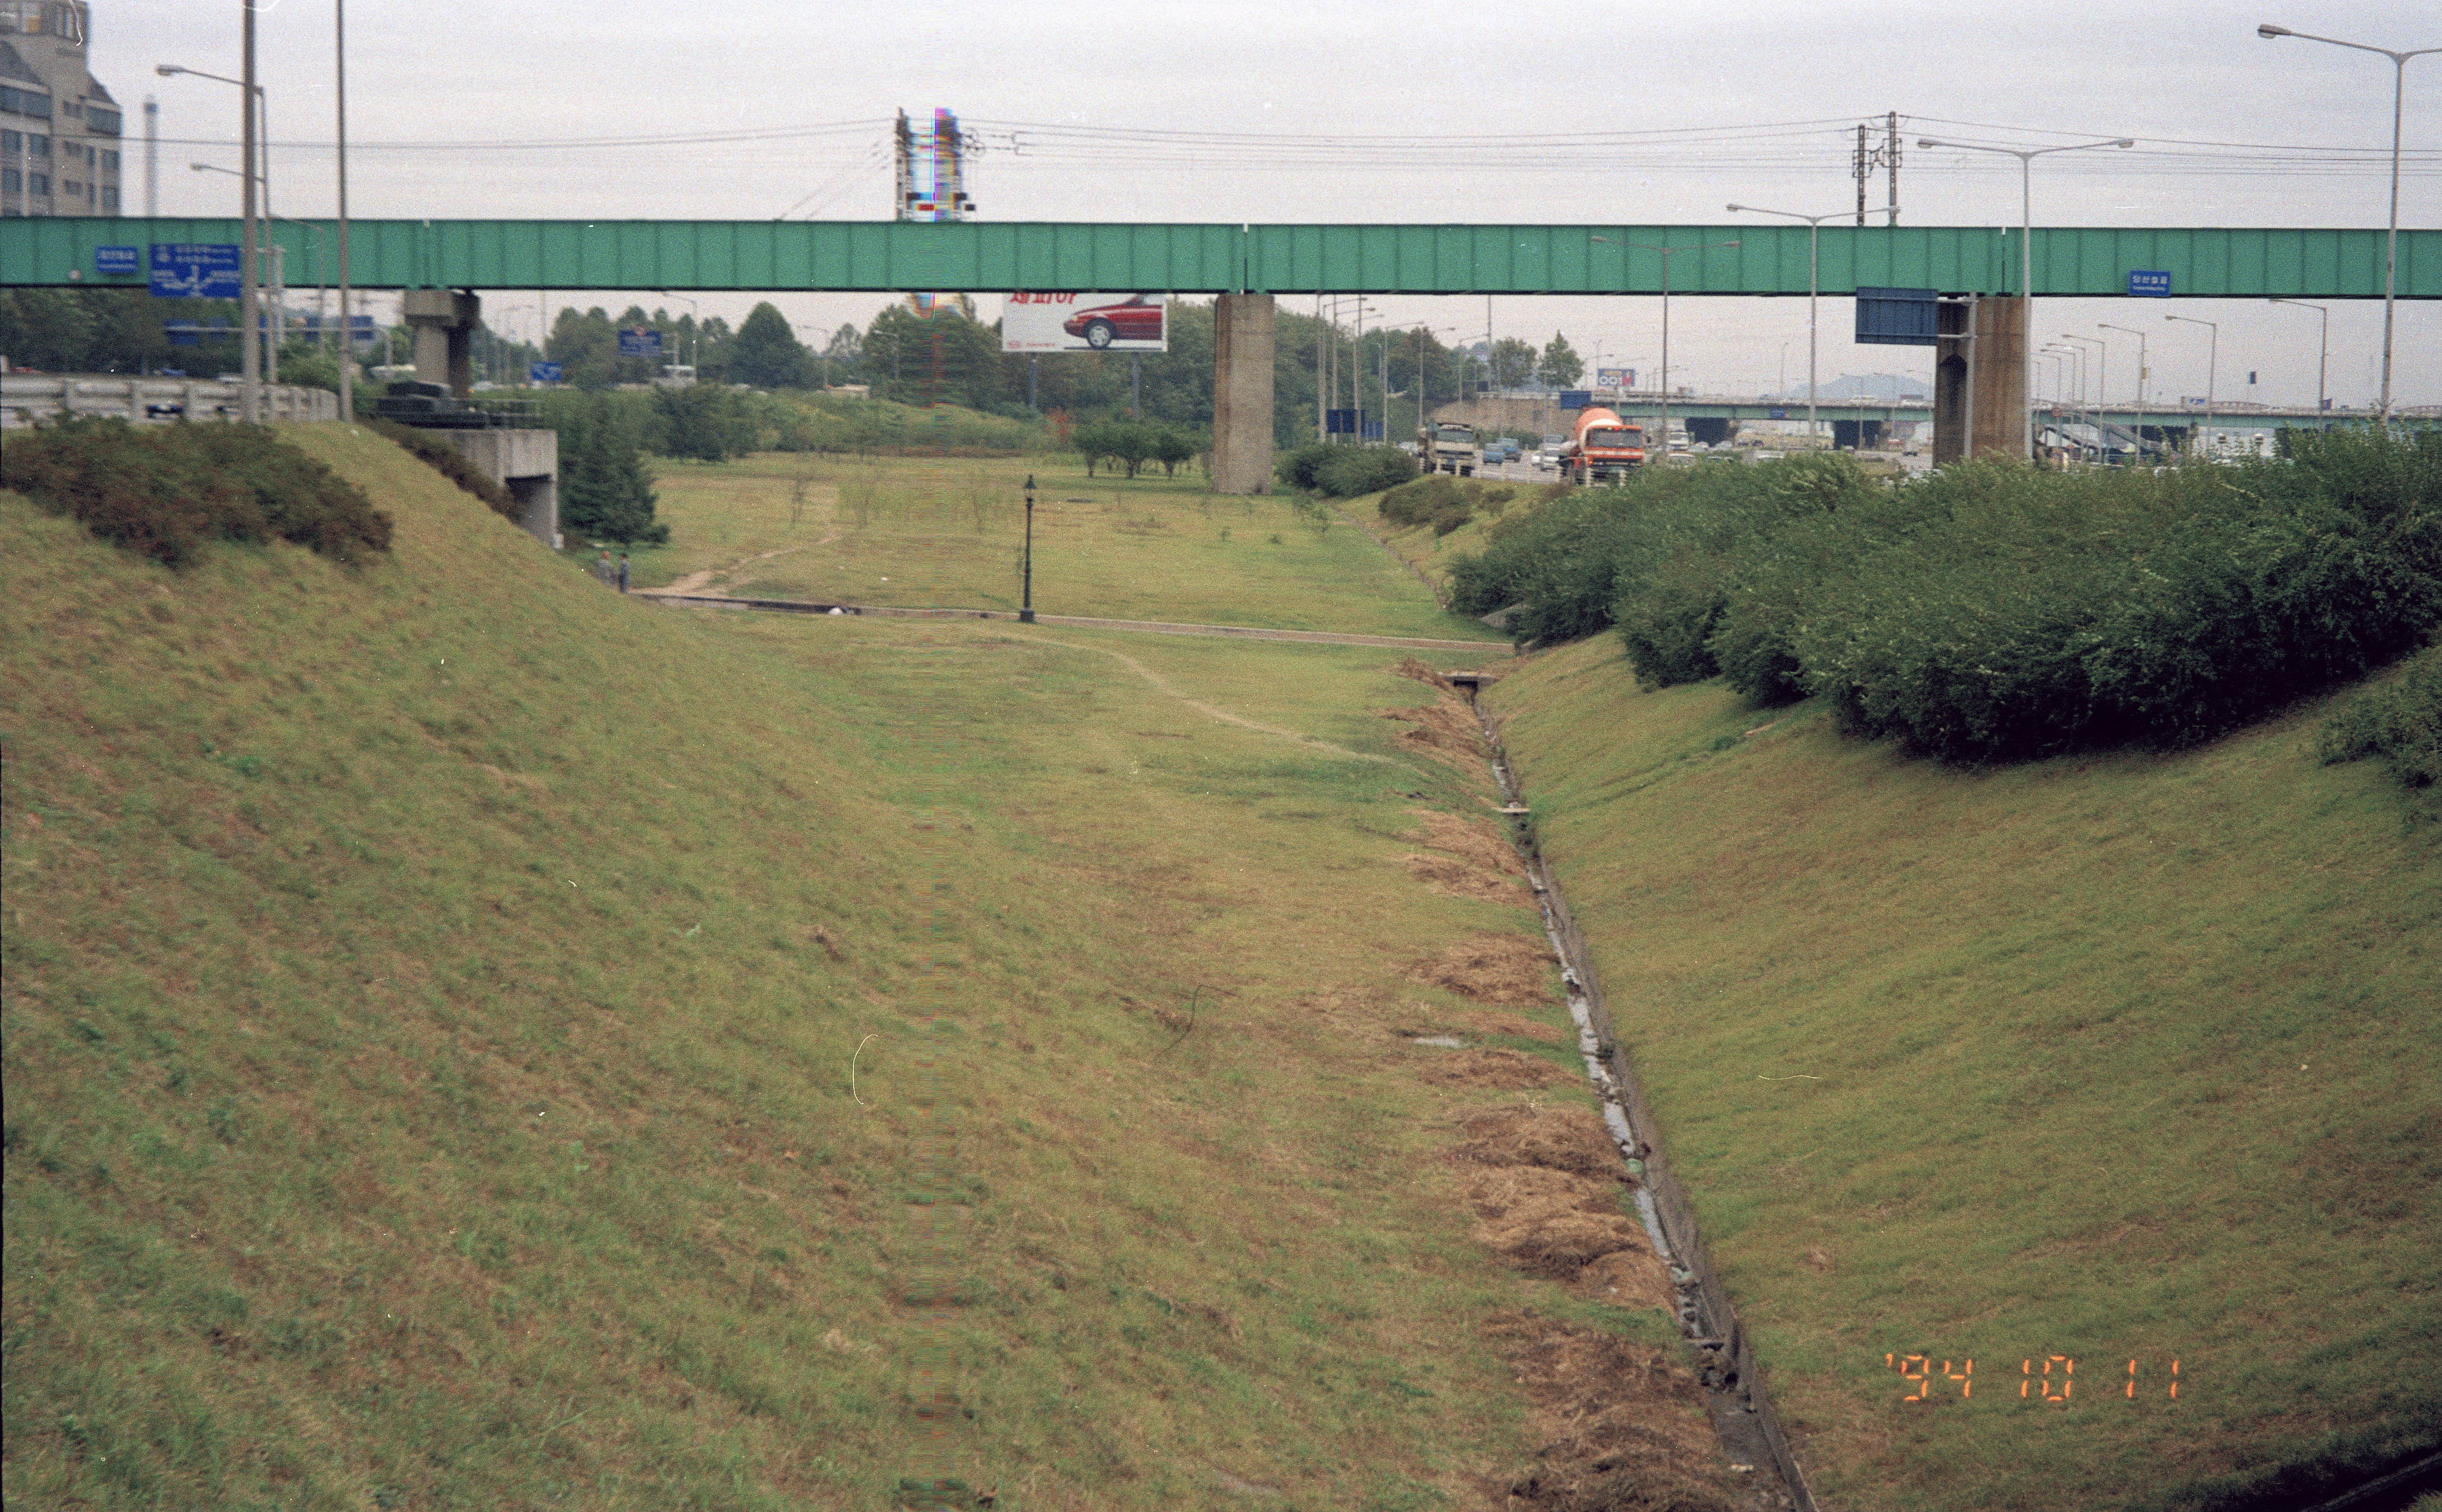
x,y
30,398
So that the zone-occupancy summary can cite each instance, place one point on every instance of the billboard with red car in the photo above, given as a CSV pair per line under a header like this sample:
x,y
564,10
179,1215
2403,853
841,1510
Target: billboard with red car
x,y
1084,323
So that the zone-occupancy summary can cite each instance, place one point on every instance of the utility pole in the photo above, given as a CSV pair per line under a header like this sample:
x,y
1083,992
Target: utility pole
x,y
1891,151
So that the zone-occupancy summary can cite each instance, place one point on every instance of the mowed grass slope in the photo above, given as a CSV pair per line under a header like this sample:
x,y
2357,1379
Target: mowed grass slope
x,y
915,532
2128,1057
473,1041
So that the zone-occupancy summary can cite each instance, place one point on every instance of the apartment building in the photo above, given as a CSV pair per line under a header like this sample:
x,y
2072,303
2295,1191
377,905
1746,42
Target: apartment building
x,y
59,129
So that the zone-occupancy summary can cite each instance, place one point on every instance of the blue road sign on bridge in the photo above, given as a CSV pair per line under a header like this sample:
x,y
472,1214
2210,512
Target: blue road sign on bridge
x,y
196,271
108,259
642,341
543,372
2150,284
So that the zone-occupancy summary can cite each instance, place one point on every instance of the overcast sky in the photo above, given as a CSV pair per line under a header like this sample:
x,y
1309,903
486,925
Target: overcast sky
x,y
1381,112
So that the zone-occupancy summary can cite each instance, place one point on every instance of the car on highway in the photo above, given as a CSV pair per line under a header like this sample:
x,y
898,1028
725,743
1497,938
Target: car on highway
x,y
1132,320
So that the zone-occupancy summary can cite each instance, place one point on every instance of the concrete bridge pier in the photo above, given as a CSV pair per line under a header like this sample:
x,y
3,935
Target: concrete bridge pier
x,y
444,322
1979,378
1244,329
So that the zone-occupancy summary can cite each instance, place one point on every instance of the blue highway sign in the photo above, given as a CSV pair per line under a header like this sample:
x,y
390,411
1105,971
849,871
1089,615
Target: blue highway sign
x,y
639,342
2150,284
118,260
196,271
543,372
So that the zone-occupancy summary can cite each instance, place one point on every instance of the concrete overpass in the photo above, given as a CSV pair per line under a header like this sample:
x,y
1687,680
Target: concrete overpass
x,y
1246,264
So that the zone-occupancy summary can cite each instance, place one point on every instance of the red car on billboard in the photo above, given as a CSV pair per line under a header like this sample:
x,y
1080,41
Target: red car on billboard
x,y
1136,319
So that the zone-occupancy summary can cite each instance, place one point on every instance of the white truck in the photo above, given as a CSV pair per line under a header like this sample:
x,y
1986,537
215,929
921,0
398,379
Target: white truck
x,y
1444,448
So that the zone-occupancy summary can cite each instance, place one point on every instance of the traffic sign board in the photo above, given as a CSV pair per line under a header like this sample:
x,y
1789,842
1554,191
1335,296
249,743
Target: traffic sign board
x,y
2151,284
543,372
118,260
639,342
196,271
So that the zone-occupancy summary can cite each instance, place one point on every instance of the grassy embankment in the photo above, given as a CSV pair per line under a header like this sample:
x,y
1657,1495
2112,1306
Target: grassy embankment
x,y
922,532
2130,1056
475,1040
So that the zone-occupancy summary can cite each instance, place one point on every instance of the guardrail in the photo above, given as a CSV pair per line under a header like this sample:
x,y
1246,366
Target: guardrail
x,y
28,398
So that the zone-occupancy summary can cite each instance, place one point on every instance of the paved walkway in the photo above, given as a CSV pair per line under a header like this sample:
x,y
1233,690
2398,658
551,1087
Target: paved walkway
x,y
792,606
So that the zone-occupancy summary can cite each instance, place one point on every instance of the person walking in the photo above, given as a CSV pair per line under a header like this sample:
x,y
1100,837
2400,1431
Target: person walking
x,y
602,567
623,572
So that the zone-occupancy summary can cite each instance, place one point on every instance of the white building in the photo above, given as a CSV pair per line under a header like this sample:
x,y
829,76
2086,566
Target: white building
x,y
59,129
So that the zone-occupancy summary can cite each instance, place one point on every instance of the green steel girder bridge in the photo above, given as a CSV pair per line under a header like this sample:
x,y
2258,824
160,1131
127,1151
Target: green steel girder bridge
x,y
972,257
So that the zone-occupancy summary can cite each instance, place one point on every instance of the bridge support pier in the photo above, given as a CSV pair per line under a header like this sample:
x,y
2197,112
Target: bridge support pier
x,y
444,322
1244,328
1979,378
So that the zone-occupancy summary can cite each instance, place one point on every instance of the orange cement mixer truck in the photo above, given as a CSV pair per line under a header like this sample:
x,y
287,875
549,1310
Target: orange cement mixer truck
x,y
1604,447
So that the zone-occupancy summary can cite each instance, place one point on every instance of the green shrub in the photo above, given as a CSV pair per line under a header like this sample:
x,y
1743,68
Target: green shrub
x,y
1654,555
1344,472
438,454
2400,722
1442,501
2054,613
165,491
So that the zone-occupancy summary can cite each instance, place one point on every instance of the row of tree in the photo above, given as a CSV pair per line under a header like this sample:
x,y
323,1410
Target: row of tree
x,y
1131,443
945,355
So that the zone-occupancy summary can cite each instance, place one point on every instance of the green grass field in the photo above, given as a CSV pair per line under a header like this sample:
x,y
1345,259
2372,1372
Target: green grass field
x,y
474,1041
950,533
2123,1058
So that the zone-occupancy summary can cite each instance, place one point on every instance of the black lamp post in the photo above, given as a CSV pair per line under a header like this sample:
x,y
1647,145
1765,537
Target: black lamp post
x,y
1025,604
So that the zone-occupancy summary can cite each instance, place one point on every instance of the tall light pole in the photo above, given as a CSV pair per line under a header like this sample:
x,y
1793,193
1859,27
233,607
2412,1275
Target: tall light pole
x,y
2066,355
2391,250
2102,381
256,136
1813,286
2026,157
2131,330
347,329
279,318
1666,251
2213,367
2323,356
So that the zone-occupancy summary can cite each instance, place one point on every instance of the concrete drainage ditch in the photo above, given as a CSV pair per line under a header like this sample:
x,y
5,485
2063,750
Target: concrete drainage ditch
x,y
1724,1355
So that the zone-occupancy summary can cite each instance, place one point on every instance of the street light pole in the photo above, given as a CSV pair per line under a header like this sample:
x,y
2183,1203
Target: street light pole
x,y
2102,381
2391,250
2026,157
2324,355
1813,287
2213,367
2131,330
1666,252
1026,603
256,139
2067,355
